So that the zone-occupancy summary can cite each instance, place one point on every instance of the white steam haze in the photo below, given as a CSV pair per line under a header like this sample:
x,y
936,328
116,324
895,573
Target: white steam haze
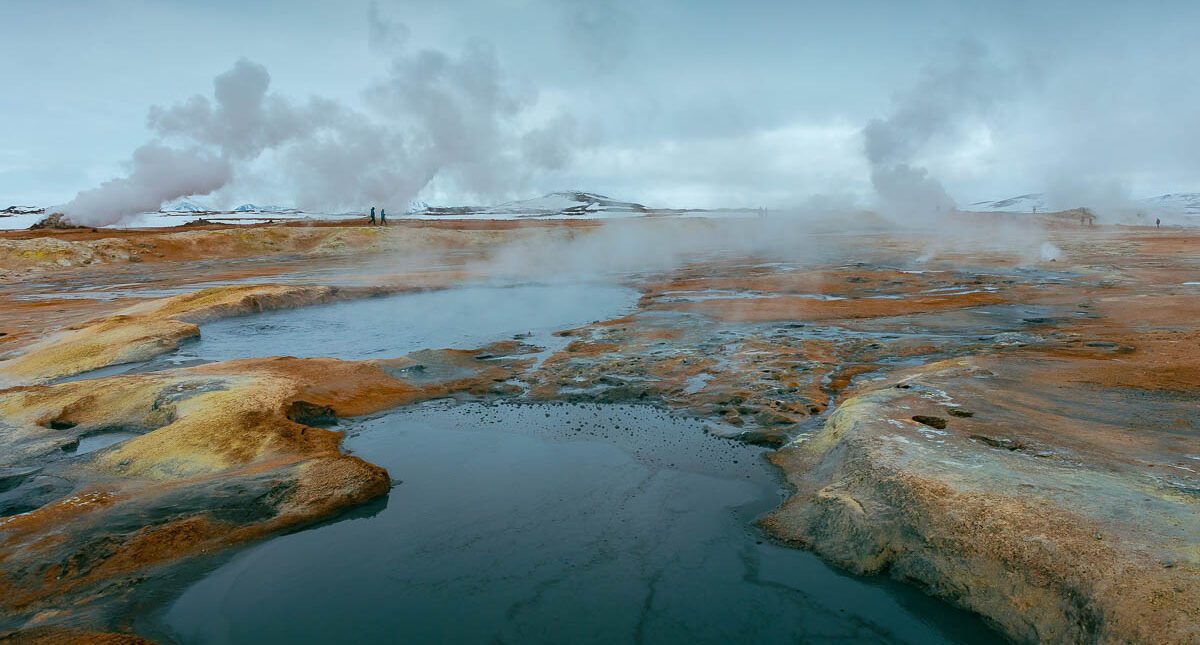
x,y
896,107
432,115
157,174
961,87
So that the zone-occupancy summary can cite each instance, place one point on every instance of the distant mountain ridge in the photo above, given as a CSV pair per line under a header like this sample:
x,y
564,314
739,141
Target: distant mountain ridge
x,y
254,208
186,205
22,210
572,203
1169,203
1183,203
1019,204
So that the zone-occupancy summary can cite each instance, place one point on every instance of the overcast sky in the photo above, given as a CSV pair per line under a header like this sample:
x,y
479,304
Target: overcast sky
x,y
676,102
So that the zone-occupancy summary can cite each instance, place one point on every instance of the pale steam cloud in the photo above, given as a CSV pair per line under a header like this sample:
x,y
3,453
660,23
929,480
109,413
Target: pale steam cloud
x,y
455,118
965,85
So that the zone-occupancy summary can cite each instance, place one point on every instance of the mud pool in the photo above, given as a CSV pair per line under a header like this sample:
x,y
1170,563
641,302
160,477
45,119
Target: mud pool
x,y
551,523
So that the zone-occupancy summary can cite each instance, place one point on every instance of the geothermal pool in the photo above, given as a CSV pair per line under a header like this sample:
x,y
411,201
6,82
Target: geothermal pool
x,y
550,523
386,327
462,317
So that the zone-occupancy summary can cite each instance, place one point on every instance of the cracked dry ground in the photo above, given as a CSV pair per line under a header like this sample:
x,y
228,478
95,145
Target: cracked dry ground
x,y
1021,441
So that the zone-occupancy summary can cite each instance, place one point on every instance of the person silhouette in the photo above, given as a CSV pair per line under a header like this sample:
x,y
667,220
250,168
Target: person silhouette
x,y
371,220
382,217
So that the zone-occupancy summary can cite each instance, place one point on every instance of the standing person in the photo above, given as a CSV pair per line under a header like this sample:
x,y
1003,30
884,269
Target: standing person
x,y
383,217
1157,222
371,221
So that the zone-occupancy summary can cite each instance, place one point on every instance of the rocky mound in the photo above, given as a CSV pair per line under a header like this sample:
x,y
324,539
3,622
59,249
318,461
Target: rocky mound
x,y
56,221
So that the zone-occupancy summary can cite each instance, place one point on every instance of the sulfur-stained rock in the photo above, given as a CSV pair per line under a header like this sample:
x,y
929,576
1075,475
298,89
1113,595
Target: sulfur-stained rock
x,y
144,331
220,457
1059,540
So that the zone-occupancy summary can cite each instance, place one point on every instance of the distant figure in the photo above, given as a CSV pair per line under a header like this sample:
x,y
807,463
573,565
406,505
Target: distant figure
x,y
1035,210
382,217
1157,222
371,221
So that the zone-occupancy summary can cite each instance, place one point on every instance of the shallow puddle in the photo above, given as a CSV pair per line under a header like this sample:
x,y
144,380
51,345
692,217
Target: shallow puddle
x,y
387,327
551,523
464,317
92,443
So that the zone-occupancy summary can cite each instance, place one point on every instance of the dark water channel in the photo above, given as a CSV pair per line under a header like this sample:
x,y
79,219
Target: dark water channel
x,y
561,523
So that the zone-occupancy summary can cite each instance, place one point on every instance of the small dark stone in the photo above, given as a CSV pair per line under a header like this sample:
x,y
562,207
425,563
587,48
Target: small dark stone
x,y
1007,444
932,422
311,414
960,413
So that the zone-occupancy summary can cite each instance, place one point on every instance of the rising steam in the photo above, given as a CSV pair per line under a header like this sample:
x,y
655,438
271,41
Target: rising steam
x,y
157,174
948,95
434,115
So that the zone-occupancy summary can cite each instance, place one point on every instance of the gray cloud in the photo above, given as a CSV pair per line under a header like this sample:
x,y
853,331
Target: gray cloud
x,y
597,33
384,35
689,97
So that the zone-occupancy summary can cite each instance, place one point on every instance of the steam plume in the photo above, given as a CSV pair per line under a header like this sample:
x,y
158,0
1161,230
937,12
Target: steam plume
x,y
947,95
157,174
456,119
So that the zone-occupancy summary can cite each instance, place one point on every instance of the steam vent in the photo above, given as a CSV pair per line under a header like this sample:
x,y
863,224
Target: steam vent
x,y
303,338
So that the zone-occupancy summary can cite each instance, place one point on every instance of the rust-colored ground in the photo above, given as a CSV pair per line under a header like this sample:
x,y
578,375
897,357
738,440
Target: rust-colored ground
x,y
1017,435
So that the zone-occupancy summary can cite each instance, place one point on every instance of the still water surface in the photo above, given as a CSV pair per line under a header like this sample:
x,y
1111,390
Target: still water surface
x,y
551,524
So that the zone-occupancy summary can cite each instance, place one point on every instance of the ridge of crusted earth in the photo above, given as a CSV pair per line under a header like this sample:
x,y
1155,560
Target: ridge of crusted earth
x,y
148,329
24,253
1019,440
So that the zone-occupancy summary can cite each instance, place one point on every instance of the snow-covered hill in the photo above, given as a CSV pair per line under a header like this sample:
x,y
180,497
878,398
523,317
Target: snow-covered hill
x,y
270,208
1028,203
1174,203
21,210
1168,204
184,205
570,202
561,205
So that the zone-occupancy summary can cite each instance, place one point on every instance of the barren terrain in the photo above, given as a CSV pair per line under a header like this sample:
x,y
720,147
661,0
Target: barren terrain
x,y
1018,437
